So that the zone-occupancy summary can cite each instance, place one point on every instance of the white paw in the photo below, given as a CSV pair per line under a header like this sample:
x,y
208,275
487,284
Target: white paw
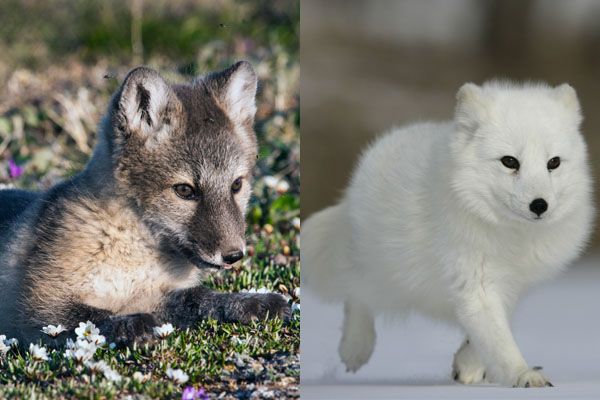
x,y
358,337
466,367
532,377
356,348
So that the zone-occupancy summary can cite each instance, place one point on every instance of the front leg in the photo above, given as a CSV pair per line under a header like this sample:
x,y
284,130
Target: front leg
x,y
120,329
185,307
484,317
467,367
68,315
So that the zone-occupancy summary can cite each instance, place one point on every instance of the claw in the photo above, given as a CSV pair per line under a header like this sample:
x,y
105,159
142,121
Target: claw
x,y
455,376
537,368
549,384
527,384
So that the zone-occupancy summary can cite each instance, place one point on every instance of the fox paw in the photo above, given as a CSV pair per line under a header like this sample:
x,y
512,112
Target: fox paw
x,y
468,374
532,377
356,347
128,329
466,367
263,306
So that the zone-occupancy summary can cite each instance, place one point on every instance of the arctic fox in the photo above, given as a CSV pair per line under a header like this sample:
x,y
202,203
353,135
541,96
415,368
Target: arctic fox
x,y
125,242
456,220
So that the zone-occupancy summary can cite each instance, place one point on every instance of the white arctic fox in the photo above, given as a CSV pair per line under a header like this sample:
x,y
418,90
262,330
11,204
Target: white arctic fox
x,y
457,219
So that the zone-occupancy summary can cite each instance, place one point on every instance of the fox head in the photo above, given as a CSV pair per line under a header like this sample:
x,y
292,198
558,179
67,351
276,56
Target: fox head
x,y
183,155
518,152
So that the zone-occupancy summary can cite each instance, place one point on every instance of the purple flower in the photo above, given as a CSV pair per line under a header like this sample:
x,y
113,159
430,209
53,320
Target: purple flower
x,y
14,170
191,393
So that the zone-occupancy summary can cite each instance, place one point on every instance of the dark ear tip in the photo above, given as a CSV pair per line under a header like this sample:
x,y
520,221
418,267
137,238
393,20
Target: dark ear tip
x,y
243,66
140,73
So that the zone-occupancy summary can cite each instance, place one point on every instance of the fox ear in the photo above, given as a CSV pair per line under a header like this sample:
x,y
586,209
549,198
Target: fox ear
x,y
236,91
145,102
471,107
567,96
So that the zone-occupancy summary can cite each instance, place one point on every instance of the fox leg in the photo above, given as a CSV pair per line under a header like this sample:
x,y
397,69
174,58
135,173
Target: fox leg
x,y
181,307
187,306
358,336
467,366
120,329
486,322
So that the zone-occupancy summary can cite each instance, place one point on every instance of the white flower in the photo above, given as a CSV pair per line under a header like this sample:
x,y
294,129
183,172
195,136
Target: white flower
x,y
261,290
98,340
38,353
295,307
86,330
81,350
270,181
6,344
102,366
81,344
177,375
142,378
112,375
163,331
282,186
99,366
296,222
53,331
89,332
297,292
3,347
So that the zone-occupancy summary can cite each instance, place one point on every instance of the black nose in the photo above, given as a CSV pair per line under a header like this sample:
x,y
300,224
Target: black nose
x,y
234,256
538,206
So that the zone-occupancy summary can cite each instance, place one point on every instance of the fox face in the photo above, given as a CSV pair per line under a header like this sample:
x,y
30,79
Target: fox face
x,y
184,156
518,153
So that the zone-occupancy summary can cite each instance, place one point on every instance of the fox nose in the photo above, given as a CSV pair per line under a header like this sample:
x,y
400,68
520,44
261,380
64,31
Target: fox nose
x,y
233,256
538,206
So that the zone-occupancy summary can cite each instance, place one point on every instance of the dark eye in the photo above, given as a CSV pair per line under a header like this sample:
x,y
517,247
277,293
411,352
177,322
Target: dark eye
x,y
236,185
184,191
554,163
510,162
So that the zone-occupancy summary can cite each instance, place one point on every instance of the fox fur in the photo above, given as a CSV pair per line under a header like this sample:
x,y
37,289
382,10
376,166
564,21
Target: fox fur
x,y
434,222
116,244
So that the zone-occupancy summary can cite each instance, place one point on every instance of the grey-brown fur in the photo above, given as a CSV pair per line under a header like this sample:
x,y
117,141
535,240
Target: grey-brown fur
x,y
115,244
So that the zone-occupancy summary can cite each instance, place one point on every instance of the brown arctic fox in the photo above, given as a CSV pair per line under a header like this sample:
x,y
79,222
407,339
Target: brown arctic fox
x,y
162,200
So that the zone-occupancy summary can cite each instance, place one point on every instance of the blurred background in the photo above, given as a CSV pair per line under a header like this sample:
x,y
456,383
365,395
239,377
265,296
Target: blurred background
x,y
61,60
370,64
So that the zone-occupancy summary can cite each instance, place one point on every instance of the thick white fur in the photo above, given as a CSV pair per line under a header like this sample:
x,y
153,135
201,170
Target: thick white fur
x,y
433,222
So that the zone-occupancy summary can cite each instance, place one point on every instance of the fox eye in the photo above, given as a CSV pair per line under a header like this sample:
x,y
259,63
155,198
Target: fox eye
x,y
510,162
554,163
184,191
236,186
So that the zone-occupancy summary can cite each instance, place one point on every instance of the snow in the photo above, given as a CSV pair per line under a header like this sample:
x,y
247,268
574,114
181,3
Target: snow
x,y
556,326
